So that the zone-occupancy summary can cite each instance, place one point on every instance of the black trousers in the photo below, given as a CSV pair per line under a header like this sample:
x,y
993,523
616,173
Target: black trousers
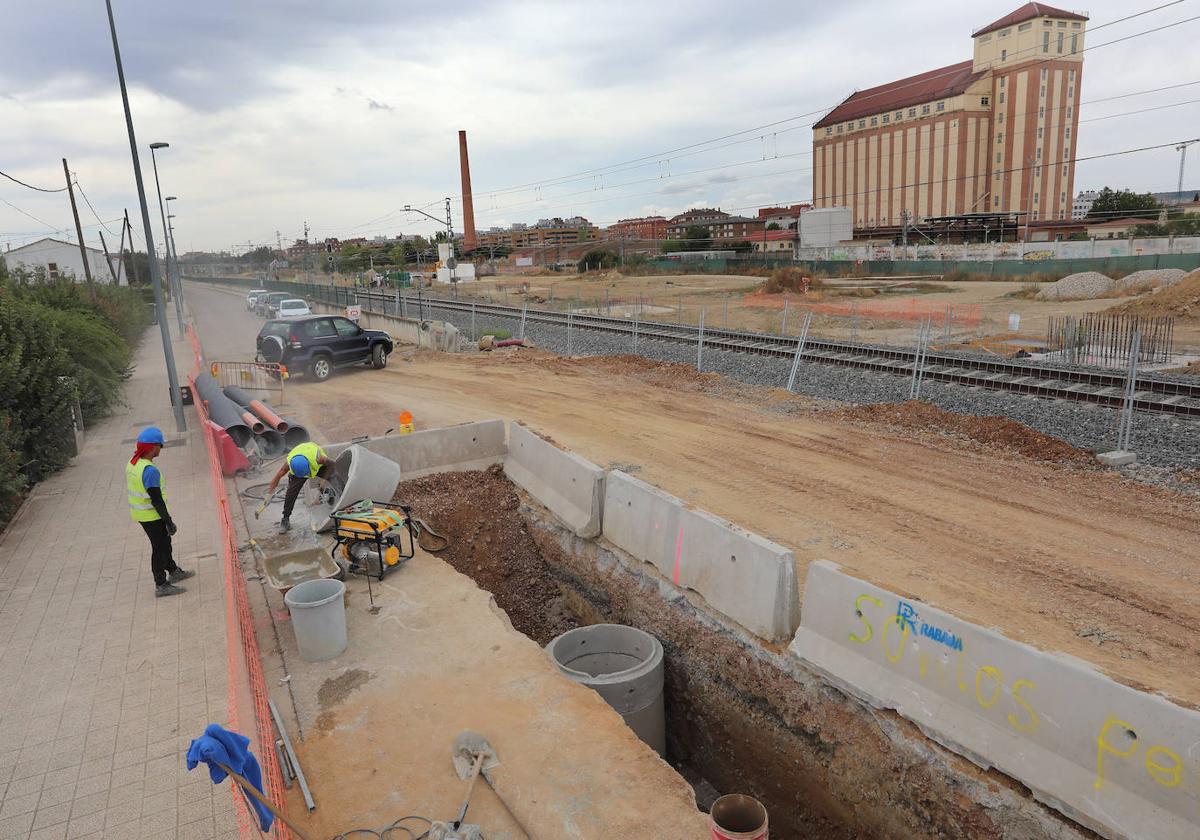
x,y
296,484
161,561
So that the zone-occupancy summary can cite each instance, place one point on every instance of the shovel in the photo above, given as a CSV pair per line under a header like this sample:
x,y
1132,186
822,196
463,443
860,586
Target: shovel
x,y
258,510
473,757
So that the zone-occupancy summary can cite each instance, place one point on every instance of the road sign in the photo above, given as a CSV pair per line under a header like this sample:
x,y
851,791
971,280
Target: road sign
x,y
354,312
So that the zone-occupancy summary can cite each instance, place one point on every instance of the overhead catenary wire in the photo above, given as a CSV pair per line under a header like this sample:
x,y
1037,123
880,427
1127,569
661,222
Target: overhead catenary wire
x,y
652,158
75,180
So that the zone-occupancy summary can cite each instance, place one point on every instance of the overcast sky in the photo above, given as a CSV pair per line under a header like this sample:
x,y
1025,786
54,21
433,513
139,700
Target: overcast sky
x,y
340,113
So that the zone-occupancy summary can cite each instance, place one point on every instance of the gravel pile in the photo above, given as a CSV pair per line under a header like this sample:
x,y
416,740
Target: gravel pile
x,y
1152,277
1159,440
1085,284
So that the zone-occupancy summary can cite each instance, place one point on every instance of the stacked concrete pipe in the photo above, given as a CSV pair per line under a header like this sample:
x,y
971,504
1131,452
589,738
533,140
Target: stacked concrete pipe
x,y
358,474
223,411
293,433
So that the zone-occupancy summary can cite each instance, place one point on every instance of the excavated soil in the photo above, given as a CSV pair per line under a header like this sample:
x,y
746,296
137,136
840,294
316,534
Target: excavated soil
x,y
479,512
995,432
1181,300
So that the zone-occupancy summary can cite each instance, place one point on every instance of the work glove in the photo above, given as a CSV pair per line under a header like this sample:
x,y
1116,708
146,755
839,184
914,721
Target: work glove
x,y
172,528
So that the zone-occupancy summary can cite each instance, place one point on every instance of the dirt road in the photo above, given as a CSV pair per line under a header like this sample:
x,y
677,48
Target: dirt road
x,y
1058,557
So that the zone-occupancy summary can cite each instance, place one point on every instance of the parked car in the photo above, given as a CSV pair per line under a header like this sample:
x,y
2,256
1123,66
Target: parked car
x,y
292,308
267,304
252,297
317,344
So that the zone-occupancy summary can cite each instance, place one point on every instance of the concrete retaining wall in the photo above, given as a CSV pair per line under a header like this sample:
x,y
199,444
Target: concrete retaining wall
x,y
569,486
432,335
470,446
1122,762
743,576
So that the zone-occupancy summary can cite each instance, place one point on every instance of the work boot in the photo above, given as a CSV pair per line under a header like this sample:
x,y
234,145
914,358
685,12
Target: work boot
x,y
180,574
165,589
284,525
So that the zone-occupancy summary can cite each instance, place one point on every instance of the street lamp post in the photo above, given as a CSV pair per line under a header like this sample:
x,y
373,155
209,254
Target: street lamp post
x,y
155,279
174,249
172,268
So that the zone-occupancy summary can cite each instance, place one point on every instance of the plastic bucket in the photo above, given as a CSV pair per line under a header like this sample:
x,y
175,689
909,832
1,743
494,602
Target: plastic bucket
x,y
318,611
736,816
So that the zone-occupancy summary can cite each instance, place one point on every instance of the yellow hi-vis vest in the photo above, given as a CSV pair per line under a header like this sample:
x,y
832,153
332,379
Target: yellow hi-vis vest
x,y
140,508
310,451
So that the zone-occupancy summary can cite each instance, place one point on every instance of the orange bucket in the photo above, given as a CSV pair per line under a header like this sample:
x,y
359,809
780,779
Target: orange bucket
x,y
738,817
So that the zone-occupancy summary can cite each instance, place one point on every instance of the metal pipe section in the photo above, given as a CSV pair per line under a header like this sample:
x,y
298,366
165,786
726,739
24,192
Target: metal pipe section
x,y
223,411
258,407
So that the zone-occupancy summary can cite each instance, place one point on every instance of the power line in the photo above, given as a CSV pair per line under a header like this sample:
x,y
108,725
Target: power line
x,y
806,153
31,186
661,155
35,218
89,204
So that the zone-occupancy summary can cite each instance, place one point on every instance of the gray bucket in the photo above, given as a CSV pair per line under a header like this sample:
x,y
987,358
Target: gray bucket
x,y
625,666
318,611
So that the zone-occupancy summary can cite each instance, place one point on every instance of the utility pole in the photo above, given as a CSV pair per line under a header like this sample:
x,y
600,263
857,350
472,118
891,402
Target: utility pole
x,y
137,275
87,269
904,231
159,306
1182,149
108,258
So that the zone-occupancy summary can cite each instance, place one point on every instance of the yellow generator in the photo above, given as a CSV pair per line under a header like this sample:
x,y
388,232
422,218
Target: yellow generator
x,y
375,537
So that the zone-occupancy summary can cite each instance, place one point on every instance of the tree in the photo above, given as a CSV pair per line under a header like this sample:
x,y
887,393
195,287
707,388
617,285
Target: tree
x,y
774,226
598,259
671,246
1110,204
697,238
741,246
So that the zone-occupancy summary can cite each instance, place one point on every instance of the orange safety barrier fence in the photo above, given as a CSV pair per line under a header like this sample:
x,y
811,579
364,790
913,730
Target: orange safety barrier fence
x,y
237,609
909,309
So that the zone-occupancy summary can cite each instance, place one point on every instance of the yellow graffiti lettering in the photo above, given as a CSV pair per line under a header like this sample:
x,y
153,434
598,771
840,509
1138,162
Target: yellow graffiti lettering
x,y
1102,747
923,663
1020,701
958,671
994,673
858,611
899,654
1167,776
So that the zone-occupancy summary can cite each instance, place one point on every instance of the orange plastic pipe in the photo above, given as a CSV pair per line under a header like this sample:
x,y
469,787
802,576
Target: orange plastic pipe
x,y
269,417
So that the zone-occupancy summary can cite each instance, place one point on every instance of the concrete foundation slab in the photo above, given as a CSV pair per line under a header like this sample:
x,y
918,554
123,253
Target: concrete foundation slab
x,y
571,487
742,575
1117,458
469,446
1122,762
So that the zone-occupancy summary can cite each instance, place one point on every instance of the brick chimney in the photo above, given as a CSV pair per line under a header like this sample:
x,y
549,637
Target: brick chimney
x,y
469,241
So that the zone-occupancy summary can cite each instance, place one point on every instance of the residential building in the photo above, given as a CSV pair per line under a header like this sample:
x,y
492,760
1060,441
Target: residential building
x,y
720,225
640,229
547,232
786,217
995,133
61,259
779,242
1083,204
1177,199
1116,228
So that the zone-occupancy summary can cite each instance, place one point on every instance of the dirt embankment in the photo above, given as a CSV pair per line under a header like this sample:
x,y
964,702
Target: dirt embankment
x,y
1001,433
479,512
1179,301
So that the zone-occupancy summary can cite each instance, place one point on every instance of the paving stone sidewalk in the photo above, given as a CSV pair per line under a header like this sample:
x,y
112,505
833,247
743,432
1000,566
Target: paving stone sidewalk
x,y
102,685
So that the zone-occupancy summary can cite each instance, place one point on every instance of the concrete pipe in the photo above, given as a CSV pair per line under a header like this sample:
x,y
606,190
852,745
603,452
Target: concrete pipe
x,y
625,666
259,408
222,410
358,474
270,443
295,434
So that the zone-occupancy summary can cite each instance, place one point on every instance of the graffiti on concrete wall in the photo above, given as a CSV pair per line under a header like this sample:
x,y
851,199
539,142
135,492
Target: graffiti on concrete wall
x,y
1120,761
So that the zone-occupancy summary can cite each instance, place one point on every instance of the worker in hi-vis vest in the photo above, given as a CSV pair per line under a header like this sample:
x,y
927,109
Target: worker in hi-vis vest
x,y
148,507
304,462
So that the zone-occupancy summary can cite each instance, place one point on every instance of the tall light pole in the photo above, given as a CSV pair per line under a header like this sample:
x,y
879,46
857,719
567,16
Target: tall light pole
x,y
155,279
172,269
174,250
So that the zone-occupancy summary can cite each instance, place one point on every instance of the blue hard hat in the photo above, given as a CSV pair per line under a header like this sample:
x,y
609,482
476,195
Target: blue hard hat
x,y
151,434
299,465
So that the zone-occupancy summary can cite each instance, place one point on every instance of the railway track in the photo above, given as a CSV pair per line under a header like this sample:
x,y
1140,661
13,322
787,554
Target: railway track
x,y
1161,396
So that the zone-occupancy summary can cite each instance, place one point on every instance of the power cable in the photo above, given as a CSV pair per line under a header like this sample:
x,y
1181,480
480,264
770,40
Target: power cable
x,y
665,154
89,204
31,186
35,218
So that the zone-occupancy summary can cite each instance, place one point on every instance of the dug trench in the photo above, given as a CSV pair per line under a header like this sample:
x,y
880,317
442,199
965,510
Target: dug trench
x,y
742,717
